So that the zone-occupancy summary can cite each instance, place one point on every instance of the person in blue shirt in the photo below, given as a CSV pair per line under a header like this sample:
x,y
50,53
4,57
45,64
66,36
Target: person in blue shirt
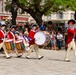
x,y
42,27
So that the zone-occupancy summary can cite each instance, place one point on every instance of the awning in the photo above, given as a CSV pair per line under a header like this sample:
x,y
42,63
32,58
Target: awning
x,y
1,17
18,18
4,17
22,18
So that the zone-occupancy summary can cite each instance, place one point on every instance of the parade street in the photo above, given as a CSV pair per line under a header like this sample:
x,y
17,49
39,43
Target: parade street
x,y
52,64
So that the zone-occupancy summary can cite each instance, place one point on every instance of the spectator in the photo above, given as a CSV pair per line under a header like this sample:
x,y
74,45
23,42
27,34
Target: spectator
x,y
53,40
59,40
60,29
49,25
42,27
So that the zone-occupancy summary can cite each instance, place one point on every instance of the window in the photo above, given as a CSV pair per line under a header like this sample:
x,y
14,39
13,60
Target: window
x,y
1,7
72,15
59,15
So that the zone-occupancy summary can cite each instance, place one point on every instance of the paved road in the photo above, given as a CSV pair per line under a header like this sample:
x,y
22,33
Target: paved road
x,y
52,64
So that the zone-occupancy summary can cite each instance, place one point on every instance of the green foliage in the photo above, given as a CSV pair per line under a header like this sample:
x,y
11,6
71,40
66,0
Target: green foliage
x,y
7,5
62,5
23,2
71,4
38,8
22,12
48,6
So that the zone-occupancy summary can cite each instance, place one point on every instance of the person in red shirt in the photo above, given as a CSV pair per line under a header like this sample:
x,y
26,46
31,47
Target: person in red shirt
x,y
32,43
2,41
70,42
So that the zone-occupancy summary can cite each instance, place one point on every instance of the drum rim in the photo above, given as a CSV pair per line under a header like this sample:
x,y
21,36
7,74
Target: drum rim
x,y
9,40
19,41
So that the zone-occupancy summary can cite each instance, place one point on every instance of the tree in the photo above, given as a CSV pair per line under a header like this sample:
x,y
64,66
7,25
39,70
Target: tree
x,y
13,8
37,8
72,6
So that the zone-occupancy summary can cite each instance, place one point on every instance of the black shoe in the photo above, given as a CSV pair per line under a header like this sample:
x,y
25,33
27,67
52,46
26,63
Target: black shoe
x,y
19,56
40,57
8,57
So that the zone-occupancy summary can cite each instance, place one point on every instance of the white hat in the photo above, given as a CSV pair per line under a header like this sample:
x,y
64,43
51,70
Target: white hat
x,y
13,26
3,23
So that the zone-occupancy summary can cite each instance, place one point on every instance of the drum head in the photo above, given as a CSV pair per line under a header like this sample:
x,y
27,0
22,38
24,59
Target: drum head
x,y
40,38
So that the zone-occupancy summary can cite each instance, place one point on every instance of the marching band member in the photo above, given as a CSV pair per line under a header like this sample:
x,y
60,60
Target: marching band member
x,y
24,40
13,27
27,39
2,41
19,40
11,37
21,37
32,43
70,43
25,43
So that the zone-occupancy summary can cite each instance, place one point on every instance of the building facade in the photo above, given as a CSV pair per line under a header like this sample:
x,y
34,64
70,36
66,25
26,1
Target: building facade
x,y
60,16
7,15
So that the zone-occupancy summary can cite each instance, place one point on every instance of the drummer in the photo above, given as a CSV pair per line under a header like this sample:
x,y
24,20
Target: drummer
x,y
32,43
26,39
11,38
70,43
19,41
2,40
11,35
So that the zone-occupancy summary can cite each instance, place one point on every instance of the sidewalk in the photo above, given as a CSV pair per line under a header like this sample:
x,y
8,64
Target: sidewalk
x,y
52,64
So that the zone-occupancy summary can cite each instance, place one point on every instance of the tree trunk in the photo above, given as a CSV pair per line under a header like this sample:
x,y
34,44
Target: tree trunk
x,y
37,17
75,15
14,12
38,20
35,13
14,15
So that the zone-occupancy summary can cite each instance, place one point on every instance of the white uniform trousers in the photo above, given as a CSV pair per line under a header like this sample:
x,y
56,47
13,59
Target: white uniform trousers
x,y
2,45
72,46
33,47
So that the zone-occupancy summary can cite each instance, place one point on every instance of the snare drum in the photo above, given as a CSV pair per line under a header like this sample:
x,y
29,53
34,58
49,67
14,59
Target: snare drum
x,y
8,45
41,38
18,46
